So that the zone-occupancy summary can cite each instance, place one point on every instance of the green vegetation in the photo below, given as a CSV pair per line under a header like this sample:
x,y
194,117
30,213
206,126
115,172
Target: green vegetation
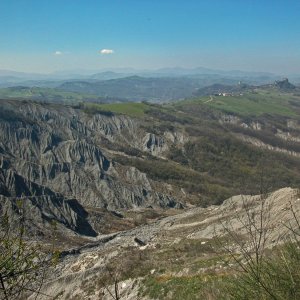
x,y
178,288
262,273
216,165
46,94
276,276
250,103
213,163
238,165
130,108
208,190
23,262
136,88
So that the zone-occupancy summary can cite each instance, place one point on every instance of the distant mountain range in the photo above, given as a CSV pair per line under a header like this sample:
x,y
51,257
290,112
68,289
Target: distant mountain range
x,y
11,78
163,71
135,89
162,85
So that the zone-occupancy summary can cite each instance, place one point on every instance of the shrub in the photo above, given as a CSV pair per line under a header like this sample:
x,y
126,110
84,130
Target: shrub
x,y
23,263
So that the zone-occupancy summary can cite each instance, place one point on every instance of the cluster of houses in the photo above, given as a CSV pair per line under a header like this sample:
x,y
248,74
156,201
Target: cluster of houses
x,y
227,94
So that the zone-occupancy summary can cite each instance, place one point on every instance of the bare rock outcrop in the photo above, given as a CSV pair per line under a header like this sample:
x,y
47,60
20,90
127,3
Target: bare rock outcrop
x,y
56,150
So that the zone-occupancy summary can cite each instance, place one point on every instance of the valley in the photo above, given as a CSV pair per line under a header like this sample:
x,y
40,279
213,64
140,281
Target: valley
x,y
138,189
149,150
182,256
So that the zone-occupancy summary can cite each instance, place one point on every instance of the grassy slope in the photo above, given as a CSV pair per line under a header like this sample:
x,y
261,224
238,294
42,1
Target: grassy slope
x,y
213,163
129,108
46,94
250,104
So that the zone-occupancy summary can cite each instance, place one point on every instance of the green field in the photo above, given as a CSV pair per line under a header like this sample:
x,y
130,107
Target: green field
x,y
129,108
251,103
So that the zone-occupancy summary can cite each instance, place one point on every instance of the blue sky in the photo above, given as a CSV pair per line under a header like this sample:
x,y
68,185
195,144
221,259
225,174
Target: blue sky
x,y
45,36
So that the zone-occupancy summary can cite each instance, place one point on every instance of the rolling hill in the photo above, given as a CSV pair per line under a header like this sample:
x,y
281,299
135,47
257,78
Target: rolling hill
x,y
144,184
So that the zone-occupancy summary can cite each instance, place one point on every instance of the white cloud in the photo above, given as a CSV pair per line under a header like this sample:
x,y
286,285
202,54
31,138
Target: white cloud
x,y
58,53
107,51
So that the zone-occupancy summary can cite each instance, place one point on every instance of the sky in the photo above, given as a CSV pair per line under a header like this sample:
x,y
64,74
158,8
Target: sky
x,y
46,36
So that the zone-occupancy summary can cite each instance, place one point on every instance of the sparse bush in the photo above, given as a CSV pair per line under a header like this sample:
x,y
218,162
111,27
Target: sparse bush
x,y
23,263
259,272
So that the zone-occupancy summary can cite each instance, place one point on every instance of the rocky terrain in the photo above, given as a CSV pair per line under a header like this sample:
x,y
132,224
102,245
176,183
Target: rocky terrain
x,y
86,168
174,248
136,191
55,159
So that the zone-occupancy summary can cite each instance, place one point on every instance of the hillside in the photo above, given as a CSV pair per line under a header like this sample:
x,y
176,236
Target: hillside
x,y
122,87
146,179
136,88
149,150
252,102
153,89
50,95
137,155
179,257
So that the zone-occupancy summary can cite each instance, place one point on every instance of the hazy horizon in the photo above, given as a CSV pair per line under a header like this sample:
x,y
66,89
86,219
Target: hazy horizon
x,y
131,70
40,37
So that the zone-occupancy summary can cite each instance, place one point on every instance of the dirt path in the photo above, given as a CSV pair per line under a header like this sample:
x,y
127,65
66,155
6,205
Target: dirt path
x,y
210,99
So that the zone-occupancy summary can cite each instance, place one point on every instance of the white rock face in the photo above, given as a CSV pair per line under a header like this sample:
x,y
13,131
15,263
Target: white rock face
x,y
63,152
76,273
154,144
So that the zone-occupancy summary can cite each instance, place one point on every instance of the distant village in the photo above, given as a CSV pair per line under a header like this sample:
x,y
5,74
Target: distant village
x,y
232,93
228,94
